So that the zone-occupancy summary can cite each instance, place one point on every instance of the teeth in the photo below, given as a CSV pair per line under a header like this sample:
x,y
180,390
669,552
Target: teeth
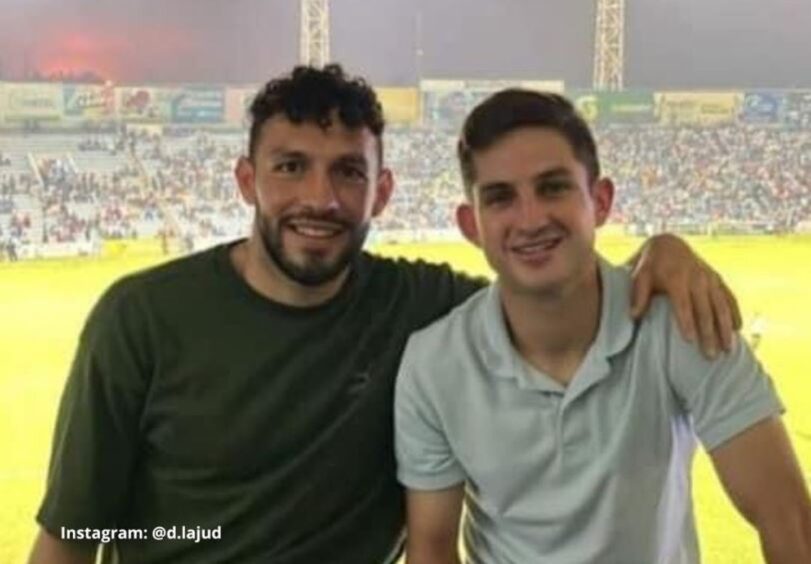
x,y
535,247
318,231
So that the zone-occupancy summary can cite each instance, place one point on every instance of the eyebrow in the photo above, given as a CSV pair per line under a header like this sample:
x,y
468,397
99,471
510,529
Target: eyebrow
x,y
494,186
353,158
282,152
552,173
348,158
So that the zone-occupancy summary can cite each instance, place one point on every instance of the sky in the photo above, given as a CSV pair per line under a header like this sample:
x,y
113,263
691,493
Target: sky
x,y
669,43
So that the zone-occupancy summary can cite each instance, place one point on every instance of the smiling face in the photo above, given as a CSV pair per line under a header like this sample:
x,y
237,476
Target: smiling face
x,y
534,210
314,191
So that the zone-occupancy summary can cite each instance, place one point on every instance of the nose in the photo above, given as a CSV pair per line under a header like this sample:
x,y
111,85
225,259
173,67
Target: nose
x,y
319,192
532,214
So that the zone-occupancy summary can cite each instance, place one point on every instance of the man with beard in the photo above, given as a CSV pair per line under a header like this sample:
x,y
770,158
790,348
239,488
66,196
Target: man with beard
x,y
247,390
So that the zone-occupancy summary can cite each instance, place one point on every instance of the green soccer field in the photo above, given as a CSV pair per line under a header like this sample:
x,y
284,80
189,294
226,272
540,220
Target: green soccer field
x,y
43,305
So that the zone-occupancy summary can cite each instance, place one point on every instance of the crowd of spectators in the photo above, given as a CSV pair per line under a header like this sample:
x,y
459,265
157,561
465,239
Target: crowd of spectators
x,y
193,175
674,178
204,165
744,177
427,190
79,206
15,223
11,184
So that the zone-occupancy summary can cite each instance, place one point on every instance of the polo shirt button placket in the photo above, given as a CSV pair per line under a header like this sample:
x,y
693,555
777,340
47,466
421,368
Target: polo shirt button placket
x,y
559,414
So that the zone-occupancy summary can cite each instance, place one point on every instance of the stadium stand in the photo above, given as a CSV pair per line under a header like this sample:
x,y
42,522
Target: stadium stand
x,y
74,187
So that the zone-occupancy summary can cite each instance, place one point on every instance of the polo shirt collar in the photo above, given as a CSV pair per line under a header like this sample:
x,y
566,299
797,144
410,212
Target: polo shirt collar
x,y
613,336
616,325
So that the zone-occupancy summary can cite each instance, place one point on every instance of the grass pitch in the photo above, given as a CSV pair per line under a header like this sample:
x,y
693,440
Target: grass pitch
x,y
43,306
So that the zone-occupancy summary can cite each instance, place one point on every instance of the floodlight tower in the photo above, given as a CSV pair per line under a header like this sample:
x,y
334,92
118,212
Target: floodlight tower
x,y
609,40
314,39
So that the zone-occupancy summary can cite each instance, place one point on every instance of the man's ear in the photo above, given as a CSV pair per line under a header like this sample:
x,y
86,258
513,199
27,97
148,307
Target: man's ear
x,y
246,179
383,191
603,194
466,220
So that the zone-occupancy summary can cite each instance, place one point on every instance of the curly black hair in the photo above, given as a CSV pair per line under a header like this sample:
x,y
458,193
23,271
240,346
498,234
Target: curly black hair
x,y
311,94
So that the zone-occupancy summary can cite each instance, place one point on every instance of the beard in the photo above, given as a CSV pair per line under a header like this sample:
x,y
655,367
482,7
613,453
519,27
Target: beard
x,y
312,269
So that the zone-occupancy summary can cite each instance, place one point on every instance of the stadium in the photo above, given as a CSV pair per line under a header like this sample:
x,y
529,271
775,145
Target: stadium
x,y
102,177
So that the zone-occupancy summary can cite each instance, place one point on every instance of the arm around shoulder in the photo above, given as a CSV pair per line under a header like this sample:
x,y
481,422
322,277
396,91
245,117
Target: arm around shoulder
x,y
762,477
49,549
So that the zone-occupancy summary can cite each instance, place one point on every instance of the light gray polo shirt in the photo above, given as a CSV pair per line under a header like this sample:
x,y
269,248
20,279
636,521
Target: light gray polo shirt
x,y
598,471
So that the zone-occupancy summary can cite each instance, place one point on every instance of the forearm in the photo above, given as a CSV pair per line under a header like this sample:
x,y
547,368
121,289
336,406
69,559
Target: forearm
x,y
787,539
764,480
432,553
49,549
433,525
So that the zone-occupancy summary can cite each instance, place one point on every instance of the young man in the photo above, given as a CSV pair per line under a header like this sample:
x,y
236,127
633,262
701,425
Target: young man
x,y
250,387
568,428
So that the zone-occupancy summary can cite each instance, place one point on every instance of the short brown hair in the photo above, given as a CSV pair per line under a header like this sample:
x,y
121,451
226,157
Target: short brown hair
x,y
514,108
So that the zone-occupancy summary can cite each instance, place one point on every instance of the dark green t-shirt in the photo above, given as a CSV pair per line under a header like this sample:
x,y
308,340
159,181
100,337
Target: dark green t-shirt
x,y
194,401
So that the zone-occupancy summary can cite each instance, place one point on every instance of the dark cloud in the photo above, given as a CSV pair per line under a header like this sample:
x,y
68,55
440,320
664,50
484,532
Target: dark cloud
x,y
677,44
